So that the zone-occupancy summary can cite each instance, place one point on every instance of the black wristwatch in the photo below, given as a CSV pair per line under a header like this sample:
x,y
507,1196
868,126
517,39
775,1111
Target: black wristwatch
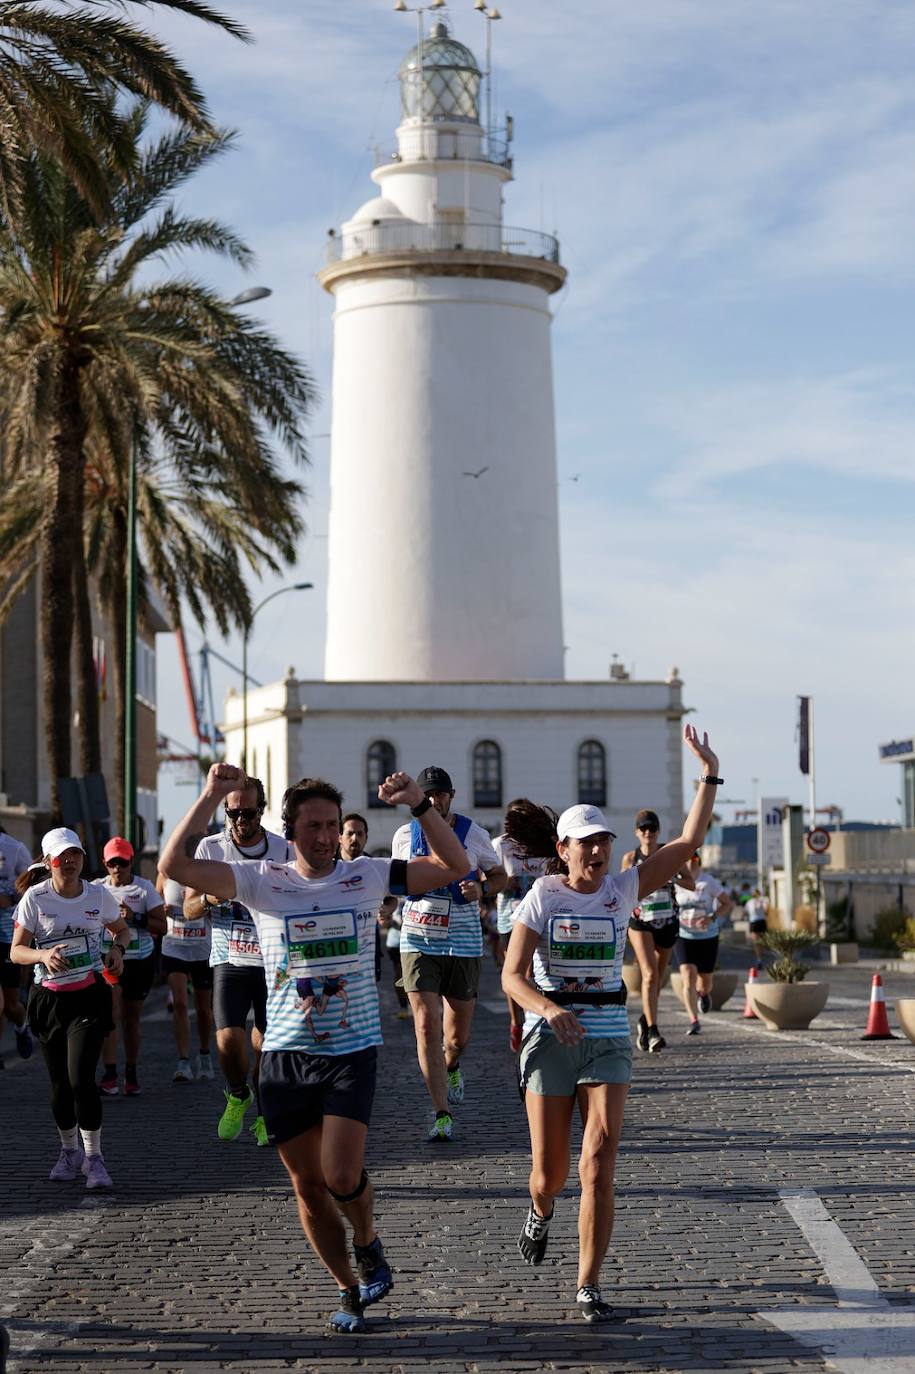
x,y
421,808
712,781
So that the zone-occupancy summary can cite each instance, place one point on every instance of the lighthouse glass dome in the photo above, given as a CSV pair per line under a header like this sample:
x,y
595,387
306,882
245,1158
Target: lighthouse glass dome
x,y
440,81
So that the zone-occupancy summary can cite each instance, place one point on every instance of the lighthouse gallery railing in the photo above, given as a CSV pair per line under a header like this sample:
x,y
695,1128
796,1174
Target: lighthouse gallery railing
x,y
394,236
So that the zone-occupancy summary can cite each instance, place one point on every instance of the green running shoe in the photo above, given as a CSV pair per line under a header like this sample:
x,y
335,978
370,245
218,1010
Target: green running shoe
x,y
233,1118
455,1087
259,1131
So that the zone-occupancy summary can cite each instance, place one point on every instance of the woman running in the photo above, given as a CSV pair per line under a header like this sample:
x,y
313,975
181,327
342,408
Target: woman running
x,y
652,930
59,924
523,871
576,1048
697,944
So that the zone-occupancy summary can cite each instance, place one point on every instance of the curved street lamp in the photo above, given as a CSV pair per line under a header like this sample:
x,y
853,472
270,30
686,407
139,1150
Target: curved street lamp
x,y
296,587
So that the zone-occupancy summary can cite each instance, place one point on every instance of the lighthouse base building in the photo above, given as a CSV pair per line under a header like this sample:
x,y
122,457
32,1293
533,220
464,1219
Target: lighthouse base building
x,y
444,507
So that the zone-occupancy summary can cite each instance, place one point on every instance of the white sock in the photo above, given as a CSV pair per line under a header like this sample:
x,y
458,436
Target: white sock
x,y
69,1139
92,1141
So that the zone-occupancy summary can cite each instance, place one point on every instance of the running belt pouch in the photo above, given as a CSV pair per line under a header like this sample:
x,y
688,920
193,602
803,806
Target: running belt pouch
x,y
587,999
419,849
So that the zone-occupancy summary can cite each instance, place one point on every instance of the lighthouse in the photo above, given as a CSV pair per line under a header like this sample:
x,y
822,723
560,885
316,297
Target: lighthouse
x,y
443,500
444,620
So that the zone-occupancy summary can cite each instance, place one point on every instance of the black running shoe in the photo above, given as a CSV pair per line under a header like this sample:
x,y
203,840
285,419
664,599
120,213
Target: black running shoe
x,y
534,1235
705,1003
592,1306
375,1277
656,1041
694,1028
641,1035
348,1319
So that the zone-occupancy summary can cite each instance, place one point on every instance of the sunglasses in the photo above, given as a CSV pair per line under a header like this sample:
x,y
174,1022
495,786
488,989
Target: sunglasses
x,y
651,829
249,813
116,863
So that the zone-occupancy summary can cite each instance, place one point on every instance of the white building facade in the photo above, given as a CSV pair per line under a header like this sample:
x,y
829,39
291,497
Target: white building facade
x,y
444,614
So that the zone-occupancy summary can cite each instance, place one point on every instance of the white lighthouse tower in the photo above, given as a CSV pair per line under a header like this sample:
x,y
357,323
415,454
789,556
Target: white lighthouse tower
x,y
443,508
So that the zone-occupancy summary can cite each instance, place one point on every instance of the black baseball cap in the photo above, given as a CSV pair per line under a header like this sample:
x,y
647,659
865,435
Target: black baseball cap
x,y
647,817
435,780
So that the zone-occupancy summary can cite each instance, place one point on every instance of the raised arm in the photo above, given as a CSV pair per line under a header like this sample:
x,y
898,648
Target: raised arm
x,y
205,875
670,858
447,860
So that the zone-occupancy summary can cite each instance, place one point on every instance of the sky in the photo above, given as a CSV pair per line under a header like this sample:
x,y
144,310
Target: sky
x,y
733,187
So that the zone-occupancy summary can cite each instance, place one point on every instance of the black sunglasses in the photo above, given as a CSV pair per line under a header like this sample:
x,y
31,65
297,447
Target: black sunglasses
x,y
116,863
250,813
651,829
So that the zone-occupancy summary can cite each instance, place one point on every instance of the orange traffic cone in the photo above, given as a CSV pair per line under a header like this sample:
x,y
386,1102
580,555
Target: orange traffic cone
x,y
749,1013
878,1027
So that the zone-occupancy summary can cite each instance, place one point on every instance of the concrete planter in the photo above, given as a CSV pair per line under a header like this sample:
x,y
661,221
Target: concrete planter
x,y
843,952
724,986
632,977
787,1006
905,1015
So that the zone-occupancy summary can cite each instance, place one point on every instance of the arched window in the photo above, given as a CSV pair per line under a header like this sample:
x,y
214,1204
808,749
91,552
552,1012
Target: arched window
x,y
592,773
380,760
487,774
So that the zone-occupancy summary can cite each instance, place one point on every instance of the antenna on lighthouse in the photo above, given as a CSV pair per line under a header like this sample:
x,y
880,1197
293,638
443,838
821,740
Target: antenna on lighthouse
x,y
490,13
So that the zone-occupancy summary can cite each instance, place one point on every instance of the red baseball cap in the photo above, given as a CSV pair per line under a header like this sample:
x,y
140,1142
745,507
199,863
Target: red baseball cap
x,y
118,848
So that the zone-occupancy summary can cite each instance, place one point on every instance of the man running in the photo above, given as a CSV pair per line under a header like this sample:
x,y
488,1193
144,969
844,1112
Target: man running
x,y
522,871
353,839
15,860
653,929
315,919
239,985
144,911
441,950
186,957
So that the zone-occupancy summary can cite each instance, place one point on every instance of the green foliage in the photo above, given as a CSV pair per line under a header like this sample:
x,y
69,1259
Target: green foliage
x,y
905,938
889,922
838,919
787,944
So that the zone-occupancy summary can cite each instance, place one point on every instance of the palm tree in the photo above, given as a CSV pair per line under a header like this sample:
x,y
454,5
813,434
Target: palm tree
x,y
58,65
91,362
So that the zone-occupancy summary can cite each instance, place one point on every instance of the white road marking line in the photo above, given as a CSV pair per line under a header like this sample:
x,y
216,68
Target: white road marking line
x,y
804,1039
864,1334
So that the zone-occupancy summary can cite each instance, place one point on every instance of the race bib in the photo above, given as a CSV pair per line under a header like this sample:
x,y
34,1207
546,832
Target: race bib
x,y
429,916
581,947
244,946
656,909
322,944
76,952
182,931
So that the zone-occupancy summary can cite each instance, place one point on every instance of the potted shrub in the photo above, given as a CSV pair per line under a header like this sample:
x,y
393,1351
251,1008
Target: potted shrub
x,y
904,940
788,1002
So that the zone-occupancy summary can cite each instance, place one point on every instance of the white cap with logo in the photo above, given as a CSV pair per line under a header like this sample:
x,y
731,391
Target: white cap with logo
x,y
578,822
59,839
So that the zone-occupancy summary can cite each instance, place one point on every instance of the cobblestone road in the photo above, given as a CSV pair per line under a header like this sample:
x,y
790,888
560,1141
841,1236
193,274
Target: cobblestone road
x,y
197,1263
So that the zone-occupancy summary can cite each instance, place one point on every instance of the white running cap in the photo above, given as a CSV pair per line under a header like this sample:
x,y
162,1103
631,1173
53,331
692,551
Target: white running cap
x,y
59,839
578,822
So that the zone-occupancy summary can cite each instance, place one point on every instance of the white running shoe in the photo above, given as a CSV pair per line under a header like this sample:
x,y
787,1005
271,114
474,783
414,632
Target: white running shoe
x,y
183,1072
204,1066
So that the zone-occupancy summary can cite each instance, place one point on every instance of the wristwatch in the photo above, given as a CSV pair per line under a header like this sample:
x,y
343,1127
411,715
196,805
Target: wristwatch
x,y
421,808
713,781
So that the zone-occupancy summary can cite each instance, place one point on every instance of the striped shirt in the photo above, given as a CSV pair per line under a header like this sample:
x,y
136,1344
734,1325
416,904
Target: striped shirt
x,y
14,859
523,872
317,936
582,943
437,923
234,935
138,896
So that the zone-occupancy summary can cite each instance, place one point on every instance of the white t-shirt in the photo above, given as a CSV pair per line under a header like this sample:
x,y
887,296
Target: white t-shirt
x,y
317,936
234,935
582,943
75,922
438,923
523,872
138,896
14,859
756,909
185,940
699,905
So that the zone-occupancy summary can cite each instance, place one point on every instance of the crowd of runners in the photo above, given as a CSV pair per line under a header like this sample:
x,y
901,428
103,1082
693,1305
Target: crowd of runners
x,y
280,941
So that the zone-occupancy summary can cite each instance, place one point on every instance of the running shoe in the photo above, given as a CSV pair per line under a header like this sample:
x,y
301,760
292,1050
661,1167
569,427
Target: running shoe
x,y
204,1066
455,1087
233,1118
132,1089
534,1235
656,1041
68,1166
705,1003
183,1072
515,1036
97,1176
259,1131
348,1319
641,1035
405,1014
24,1042
443,1127
591,1305
695,1028
375,1277
108,1085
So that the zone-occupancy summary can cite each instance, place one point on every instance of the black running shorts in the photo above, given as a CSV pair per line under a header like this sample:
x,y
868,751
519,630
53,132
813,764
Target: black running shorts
x,y
703,954
137,978
10,973
664,936
297,1089
238,989
198,970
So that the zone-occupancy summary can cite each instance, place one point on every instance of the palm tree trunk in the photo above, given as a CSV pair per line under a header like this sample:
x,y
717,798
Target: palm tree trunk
x,y
117,619
90,745
58,541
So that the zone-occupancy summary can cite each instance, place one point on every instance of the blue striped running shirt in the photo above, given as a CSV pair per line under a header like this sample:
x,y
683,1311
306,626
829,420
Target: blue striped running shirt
x,y
582,943
317,936
435,923
234,937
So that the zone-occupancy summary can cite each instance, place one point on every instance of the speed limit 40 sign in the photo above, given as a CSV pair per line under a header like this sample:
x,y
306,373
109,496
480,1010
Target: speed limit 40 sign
x,y
818,840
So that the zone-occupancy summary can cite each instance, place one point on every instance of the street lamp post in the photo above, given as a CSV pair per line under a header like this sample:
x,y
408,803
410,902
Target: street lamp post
x,y
297,587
